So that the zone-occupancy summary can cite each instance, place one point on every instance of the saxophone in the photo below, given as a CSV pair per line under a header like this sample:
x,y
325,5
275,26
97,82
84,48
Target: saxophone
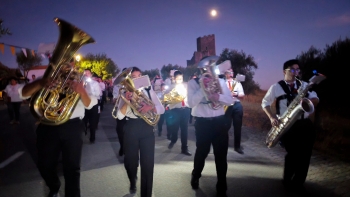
x,y
138,98
299,105
54,104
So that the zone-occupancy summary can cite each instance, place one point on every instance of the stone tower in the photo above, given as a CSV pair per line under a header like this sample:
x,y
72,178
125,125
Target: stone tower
x,y
205,47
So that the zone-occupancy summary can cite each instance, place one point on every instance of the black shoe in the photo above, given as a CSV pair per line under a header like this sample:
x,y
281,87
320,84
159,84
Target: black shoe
x,y
133,189
159,134
239,150
194,182
121,152
186,152
53,194
221,194
171,145
92,141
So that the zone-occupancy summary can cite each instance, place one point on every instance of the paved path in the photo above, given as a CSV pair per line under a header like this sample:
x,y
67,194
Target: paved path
x,y
256,173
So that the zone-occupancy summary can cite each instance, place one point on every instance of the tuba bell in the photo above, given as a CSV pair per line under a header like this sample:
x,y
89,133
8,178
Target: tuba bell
x,y
138,98
54,104
209,65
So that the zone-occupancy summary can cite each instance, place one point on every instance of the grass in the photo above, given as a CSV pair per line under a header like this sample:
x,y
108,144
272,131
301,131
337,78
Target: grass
x,y
333,130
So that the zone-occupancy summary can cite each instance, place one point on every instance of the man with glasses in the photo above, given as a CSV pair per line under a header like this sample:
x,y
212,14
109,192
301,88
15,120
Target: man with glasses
x,y
235,110
299,139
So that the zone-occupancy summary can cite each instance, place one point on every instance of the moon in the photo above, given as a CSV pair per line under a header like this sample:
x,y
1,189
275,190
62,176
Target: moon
x,y
213,13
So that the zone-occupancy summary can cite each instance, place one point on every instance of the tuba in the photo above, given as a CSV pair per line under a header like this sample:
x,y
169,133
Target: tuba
x,y
299,105
54,104
209,64
138,98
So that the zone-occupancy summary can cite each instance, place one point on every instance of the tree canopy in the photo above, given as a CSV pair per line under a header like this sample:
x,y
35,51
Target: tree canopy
x,y
331,62
26,62
4,31
242,64
99,64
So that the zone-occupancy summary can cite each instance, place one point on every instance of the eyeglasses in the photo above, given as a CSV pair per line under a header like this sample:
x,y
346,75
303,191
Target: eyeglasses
x,y
292,70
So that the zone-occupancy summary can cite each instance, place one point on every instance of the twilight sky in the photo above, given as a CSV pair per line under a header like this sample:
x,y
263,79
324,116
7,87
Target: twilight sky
x,y
153,33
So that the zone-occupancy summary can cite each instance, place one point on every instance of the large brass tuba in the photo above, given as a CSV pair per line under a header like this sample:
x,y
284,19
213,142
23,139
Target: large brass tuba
x,y
138,98
54,104
299,105
209,64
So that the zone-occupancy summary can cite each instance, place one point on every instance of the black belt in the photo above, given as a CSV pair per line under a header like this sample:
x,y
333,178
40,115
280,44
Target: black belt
x,y
73,120
210,118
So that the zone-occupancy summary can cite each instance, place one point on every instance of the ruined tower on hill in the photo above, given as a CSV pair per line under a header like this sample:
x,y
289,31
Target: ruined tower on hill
x,y
205,47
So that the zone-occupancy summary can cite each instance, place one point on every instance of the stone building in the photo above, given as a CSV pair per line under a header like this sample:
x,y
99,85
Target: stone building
x,y
205,47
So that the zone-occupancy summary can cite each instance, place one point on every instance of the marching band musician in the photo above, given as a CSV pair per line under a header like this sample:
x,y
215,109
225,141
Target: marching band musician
x,y
93,89
211,129
299,139
236,110
65,138
179,115
160,95
139,140
120,123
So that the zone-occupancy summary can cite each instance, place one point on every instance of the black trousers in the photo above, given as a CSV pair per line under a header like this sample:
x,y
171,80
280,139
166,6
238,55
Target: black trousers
x,y
160,123
179,120
237,118
92,117
103,100
298,142
13,109
65,139
212,131
120,132
139,142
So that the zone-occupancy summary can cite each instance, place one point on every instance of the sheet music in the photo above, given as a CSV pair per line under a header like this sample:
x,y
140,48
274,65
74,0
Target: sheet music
x,y
142,82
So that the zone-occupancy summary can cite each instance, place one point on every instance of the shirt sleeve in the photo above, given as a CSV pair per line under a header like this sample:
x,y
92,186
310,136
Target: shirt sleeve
x,y
269,97
194,93
158,105
239,89
20,93
225,98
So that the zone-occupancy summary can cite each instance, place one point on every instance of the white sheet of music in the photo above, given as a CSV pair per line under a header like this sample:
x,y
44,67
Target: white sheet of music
x,y
142,82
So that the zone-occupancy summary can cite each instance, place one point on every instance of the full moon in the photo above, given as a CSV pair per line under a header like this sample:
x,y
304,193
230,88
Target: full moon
x,y
213,13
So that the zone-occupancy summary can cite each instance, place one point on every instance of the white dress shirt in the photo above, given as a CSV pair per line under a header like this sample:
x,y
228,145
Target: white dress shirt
x,y
93,88
184,94
116,90
275,91
79,110
238,88
102,86
167,82
130,114
12,91
195,96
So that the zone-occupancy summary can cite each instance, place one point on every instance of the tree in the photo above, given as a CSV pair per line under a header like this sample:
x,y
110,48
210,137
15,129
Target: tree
x,y
99,64
165,70
332,63
4,31
26,62
242,64
151,73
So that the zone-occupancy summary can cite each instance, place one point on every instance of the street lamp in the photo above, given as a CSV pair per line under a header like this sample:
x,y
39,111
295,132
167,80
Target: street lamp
x,y
77,58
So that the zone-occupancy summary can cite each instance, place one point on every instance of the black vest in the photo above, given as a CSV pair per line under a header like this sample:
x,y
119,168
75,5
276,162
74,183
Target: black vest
x,y
289,95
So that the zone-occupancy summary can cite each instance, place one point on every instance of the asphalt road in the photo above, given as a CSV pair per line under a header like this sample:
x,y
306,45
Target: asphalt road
x,y
256,173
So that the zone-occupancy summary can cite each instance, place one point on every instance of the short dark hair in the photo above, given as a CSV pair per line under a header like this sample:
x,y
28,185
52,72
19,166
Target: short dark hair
x,y
14,78
124,69
290,63
176,73
135,69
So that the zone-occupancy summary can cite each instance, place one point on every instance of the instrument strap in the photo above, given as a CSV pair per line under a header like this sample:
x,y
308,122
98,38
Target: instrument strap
x,y
289,95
